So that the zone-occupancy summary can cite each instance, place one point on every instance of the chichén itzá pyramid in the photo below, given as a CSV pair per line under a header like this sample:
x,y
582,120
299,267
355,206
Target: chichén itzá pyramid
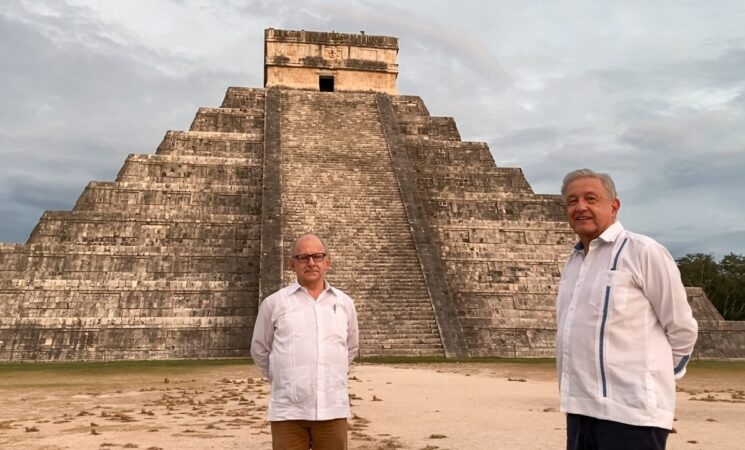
x,y
443,251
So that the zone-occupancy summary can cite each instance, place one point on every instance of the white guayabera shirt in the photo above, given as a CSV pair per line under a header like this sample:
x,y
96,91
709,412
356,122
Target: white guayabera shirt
x,y
304,347
625,330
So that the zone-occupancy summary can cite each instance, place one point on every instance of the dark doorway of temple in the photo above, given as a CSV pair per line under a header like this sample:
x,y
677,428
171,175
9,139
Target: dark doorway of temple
x,y
326,84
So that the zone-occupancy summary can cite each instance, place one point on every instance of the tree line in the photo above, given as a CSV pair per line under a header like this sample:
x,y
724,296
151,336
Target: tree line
x,y
723,280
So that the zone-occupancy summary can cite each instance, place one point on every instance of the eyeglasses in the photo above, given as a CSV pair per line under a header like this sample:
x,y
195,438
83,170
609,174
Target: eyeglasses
x,y
304,258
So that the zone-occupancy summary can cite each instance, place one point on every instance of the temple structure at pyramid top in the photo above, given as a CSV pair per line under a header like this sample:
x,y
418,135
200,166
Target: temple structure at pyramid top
x,y
444,252
330,61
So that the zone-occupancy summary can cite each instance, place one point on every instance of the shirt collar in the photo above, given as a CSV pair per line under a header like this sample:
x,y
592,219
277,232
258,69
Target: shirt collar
x,y
609,235
295,286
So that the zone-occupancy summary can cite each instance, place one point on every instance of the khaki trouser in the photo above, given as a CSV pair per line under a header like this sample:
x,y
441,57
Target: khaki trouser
x,y
305,434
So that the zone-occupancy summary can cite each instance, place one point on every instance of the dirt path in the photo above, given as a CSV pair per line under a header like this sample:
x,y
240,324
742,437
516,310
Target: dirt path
x,y
426,406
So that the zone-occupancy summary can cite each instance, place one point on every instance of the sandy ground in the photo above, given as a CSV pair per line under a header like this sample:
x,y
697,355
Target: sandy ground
x,y
424,406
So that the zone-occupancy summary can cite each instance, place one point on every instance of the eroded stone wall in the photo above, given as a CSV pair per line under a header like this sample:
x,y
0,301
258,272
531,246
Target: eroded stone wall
x,y
161,263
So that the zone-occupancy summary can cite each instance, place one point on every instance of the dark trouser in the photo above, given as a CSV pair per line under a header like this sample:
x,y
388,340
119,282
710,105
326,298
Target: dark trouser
x,y
589,433
300,434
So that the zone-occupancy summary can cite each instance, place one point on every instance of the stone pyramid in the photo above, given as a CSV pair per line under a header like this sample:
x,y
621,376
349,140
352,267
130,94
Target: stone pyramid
x,y
444,252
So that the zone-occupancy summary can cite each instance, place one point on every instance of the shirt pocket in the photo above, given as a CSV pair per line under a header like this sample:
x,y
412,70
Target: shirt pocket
x,y
339,323
293,386
611,290
335,386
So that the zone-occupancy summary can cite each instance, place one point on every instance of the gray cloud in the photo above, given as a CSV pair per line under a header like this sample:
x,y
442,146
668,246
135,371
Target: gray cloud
x,y
653,95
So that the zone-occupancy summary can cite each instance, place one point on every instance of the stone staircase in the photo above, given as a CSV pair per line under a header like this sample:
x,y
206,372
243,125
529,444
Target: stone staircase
x,y
338,181
501,244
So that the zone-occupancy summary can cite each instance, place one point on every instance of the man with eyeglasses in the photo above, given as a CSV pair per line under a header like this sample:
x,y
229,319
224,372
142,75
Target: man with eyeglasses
x,y
304,339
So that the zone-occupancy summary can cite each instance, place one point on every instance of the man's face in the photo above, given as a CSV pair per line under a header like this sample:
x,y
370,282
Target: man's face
x,y
309,273
589,209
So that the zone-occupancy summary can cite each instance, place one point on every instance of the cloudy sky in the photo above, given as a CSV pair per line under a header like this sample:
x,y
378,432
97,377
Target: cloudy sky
x,y
651,92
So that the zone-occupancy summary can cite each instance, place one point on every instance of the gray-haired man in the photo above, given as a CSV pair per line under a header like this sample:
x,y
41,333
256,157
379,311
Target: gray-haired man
x,y
625,329
304,339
